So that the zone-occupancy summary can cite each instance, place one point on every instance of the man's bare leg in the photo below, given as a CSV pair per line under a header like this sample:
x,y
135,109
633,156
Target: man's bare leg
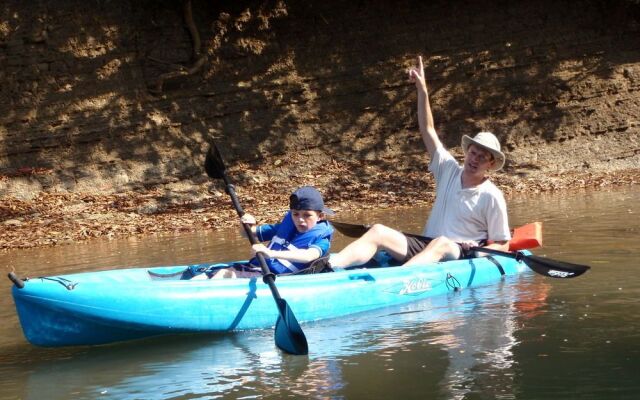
x,y
379,237
440,248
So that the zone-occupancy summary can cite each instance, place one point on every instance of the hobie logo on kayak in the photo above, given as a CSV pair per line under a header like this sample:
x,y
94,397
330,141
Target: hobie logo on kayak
x,y
415,285
559,274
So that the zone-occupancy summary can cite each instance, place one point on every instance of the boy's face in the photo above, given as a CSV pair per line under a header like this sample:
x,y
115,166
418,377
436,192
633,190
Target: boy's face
x,y
305,219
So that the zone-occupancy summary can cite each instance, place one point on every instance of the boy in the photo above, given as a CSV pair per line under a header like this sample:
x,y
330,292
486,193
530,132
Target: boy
x,y
301,237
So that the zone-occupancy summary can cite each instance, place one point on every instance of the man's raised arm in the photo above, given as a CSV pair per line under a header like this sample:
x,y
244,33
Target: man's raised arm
x,y
425,118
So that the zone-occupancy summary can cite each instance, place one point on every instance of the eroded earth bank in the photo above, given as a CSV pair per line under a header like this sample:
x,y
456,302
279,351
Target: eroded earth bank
x,y
107,108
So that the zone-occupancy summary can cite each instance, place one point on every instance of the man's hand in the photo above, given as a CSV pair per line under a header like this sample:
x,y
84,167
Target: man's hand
x,y
416,74
468,244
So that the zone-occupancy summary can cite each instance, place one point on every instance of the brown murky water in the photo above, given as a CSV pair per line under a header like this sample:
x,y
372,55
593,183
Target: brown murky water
x,y
527,338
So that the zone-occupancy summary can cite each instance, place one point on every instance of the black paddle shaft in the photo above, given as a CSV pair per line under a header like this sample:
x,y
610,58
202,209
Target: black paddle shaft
x,y
288,333
268,277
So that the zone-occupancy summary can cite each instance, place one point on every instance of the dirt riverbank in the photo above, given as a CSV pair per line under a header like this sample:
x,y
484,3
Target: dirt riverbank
x,y
104,129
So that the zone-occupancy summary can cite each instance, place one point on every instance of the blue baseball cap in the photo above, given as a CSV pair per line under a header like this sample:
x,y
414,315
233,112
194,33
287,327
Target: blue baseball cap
x,y
308,198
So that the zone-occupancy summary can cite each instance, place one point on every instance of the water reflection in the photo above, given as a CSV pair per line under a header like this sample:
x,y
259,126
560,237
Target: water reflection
x,y
528,338
437,332
481,349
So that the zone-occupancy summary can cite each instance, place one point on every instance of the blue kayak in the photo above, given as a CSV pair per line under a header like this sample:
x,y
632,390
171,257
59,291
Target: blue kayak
x,y
124,304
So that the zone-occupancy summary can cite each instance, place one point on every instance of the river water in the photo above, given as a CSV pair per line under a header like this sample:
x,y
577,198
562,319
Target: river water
x,y
528,337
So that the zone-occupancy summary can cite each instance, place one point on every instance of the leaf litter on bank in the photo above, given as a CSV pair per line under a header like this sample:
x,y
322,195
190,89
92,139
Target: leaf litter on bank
x,y
59,218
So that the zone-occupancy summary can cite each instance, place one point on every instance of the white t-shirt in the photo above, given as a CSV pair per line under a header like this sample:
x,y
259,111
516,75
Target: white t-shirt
x,y
476,213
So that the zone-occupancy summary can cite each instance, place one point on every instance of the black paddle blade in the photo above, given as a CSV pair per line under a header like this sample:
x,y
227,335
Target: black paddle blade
x,y
553,268
213,163
288,335
350,230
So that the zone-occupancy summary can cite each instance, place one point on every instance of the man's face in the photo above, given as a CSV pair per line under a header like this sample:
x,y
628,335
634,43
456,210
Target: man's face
x,y
478,160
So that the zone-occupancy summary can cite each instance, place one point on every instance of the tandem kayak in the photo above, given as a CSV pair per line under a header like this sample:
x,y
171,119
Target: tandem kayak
x,y
124,304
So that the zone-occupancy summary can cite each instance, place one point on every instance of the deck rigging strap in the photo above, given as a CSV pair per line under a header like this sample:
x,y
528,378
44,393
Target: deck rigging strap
x,y
497,264
69,285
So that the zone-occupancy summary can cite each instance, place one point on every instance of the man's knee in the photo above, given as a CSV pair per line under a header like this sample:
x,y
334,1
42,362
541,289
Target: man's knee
x,y
378,232
439,242
443,248
386,238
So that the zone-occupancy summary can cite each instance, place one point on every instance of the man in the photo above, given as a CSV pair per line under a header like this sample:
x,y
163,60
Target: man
x,y
469,210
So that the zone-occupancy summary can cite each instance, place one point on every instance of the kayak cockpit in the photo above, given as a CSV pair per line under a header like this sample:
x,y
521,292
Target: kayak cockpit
x,y
321,265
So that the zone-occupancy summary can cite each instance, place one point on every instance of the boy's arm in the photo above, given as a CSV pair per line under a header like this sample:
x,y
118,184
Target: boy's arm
x,y
425,117
297,255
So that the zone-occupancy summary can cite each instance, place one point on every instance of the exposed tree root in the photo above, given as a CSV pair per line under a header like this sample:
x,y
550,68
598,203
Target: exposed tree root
x,y
199,57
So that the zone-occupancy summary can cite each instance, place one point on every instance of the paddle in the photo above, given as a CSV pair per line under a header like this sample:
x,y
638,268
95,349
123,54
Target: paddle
x,y
541,265
527,236
288,334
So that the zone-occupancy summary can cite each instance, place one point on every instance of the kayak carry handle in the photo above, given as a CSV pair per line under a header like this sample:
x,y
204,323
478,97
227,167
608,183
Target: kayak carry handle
x,y
16,281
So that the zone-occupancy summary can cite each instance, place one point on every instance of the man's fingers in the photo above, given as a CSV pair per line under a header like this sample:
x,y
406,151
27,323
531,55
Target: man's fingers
x,y
466,245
